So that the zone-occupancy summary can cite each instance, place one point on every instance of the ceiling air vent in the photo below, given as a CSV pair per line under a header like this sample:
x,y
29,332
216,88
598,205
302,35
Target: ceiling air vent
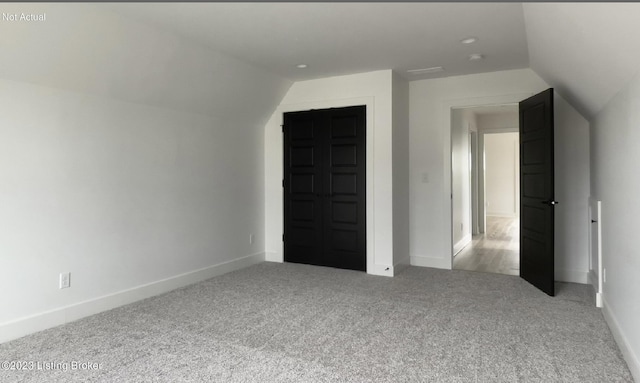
x,y
434,69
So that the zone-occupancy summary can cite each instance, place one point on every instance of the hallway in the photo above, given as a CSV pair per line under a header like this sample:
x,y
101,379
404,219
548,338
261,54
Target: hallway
x,y
496,251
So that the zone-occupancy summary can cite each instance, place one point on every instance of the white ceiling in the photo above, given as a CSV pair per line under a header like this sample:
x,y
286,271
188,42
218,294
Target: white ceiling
x,y
135,51
586,51
83,48
345,38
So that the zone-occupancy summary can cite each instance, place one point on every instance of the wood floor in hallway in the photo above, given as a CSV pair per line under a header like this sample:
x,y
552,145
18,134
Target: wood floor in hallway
x,y
495,251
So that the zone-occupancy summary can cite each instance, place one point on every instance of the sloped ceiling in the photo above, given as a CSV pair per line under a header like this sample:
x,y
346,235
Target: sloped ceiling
x,y
586,51
345,38
237,59
89,49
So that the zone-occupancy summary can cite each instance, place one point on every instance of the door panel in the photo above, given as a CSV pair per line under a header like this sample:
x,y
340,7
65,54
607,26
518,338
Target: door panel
x,y
345,176
325,187
303,185
537,191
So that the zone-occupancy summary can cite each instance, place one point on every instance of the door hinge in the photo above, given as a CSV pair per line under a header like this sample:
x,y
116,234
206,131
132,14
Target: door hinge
x,y
282,237
282,183
282,126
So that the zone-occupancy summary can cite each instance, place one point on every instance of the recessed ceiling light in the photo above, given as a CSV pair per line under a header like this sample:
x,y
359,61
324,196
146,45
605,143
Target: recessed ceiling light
x,y
301,66
469,40
426,70
475,57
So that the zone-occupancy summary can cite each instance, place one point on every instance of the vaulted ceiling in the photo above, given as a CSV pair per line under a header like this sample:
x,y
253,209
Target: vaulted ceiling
x,y
585,50
345,38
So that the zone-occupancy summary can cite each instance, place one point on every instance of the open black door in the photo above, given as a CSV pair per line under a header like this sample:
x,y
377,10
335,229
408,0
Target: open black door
x,y
537,191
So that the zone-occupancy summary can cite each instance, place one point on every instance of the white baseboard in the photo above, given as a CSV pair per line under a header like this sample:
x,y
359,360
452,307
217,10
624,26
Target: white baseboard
x,y
461,244
373,269
436,263
56,317
573,276
627,352
381,270
593,281
270,256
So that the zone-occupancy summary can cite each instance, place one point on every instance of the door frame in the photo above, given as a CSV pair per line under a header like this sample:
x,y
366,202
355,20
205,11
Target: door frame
x,y
445,120
474,182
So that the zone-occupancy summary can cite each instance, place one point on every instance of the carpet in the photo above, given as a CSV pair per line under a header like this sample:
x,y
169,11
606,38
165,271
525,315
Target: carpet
x,y
297,323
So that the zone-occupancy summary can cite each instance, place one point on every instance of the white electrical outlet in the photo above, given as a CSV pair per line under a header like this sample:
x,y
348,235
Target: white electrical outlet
x,y
65,280
251,239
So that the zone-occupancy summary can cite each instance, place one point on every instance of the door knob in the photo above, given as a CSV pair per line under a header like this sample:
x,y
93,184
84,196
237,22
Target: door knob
x,y
550,202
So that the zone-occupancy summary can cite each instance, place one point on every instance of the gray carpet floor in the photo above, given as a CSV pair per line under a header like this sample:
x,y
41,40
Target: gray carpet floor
x,y
298,323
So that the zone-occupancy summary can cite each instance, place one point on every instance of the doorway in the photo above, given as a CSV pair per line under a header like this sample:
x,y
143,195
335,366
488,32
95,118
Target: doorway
x,y
325,187
485,177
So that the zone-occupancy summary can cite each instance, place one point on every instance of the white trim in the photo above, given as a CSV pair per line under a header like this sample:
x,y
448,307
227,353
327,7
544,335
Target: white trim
x,y
434,262
271,256
380,269
593,281
633,362
596,275
368,101
461,244
572,276
24,326
499,130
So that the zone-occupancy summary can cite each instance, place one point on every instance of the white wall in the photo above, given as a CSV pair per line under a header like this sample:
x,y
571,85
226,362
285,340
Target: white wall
x,y
492,123
615,154
87,48
373,89
130,172
572,180
462,122
431,102
499,122
502,174
400,104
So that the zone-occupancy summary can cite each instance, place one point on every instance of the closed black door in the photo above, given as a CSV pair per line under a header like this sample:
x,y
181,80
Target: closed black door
x,y
537,191
324,187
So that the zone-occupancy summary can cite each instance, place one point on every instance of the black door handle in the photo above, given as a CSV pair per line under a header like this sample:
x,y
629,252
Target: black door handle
x,y
550,202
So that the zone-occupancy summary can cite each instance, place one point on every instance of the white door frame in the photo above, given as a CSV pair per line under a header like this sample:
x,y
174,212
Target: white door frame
x,y
445,113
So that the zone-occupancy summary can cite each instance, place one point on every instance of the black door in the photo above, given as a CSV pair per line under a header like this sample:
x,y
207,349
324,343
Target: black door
x,y
324,187
537,191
